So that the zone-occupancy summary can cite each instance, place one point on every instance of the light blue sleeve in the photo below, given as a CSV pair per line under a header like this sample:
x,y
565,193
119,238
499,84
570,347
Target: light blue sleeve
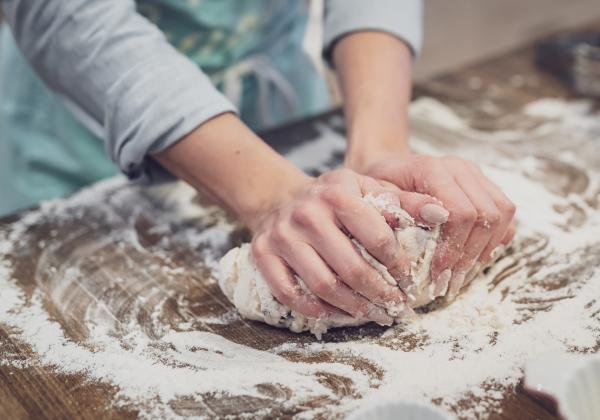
x,y
118,73
401,18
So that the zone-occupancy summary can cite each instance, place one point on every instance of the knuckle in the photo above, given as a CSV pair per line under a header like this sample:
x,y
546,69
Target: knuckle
x,y
334,196
509,208
259,246
306,215
475,167
361,308
464,215
286,296
489,220
383,244
325,287
355,272
281,233
335,175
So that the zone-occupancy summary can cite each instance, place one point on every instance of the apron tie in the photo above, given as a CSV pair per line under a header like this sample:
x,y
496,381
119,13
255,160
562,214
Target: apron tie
x,y
266,76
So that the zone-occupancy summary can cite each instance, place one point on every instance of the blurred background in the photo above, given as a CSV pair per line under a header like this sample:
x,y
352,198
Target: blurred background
x,y
460,32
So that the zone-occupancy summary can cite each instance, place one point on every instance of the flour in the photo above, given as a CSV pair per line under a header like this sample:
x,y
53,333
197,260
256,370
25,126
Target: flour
x,y
543,296
177,365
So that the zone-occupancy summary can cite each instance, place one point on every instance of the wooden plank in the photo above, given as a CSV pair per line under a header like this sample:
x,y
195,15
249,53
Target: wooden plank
x,y
487,94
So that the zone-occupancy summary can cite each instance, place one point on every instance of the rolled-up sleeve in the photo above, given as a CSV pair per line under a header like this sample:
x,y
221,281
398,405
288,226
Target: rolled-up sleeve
x,y
401,18
119,74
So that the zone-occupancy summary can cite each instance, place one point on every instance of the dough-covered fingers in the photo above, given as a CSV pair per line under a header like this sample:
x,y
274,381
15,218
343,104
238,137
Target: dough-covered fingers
x,y
342,256
365,223
321,281
506,225
500,233
485,228
424,209
455,232
510,233
286,290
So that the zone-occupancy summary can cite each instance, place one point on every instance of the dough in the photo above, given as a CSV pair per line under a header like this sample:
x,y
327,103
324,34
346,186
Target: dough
x,y
245,287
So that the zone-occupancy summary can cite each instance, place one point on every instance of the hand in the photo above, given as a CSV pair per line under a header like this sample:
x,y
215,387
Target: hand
x,y
481,215
308,234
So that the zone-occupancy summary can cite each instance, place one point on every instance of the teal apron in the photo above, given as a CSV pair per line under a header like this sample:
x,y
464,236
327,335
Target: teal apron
x,y
251,49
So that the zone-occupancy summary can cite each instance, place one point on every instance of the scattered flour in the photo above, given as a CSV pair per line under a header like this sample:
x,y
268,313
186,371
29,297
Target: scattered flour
x,y
545,298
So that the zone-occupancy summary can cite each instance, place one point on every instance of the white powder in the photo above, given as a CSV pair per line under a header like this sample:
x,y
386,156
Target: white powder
x,y
315,155
465,350
180,364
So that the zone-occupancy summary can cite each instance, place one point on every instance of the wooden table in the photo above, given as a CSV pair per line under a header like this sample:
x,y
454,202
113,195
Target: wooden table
x,y
486,94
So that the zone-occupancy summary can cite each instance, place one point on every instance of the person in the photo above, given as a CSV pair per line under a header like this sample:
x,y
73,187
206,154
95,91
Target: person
x,y
145,78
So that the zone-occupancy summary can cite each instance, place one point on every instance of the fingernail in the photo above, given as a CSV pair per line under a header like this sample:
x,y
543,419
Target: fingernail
x,y
455,285
497,252
442,282
379,315
435,214
473,273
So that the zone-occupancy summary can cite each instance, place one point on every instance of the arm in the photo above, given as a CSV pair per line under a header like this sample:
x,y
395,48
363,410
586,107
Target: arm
x,y
297,221
375,72
119,73
371,44
151,104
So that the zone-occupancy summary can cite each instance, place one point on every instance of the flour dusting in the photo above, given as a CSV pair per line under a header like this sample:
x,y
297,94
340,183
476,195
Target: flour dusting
x,y
130,270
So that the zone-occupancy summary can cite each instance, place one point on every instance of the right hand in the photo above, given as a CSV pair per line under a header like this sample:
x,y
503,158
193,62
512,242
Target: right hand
x,y
481,216
307,234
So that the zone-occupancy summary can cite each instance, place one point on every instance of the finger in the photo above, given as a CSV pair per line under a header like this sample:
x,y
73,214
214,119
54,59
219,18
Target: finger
x,y
510,233
364,222
455,231
472,274
286,290
507,212
342,256
321,281
486,224
508,237
424,209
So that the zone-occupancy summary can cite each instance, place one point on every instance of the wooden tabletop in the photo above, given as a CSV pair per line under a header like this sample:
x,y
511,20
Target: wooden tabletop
x,y
486,95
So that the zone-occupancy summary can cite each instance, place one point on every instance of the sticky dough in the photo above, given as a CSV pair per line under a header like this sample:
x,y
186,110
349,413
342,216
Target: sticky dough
x,y
245,287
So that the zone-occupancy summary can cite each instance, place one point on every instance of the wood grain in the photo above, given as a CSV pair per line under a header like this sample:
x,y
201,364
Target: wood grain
x,y
42,393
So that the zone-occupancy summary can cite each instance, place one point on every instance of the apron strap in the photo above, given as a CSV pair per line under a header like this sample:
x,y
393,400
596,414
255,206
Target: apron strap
x,y
266,75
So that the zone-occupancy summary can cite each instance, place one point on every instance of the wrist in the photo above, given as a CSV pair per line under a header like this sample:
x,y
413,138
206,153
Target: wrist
x,y
271,193
364,151
226,162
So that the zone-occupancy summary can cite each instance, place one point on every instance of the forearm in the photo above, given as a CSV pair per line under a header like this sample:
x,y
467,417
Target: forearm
x,y
374,70
128,84
226,161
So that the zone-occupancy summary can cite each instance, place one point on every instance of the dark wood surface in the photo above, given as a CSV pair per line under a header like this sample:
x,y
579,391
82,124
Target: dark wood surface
x,y
37,392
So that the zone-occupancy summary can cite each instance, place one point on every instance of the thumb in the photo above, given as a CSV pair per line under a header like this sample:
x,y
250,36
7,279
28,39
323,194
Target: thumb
x,y
425,209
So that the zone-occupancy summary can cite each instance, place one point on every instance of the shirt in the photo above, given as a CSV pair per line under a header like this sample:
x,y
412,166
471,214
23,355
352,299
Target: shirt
x,y
126,82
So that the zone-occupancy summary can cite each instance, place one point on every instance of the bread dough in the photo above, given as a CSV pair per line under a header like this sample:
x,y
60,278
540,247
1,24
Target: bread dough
x,y
245,287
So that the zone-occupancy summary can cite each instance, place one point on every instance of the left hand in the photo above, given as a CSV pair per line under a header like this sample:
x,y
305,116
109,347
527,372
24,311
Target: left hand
x,y
481,215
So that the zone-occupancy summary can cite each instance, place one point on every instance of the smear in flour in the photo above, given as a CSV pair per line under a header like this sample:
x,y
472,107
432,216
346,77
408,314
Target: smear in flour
x,y
110,260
